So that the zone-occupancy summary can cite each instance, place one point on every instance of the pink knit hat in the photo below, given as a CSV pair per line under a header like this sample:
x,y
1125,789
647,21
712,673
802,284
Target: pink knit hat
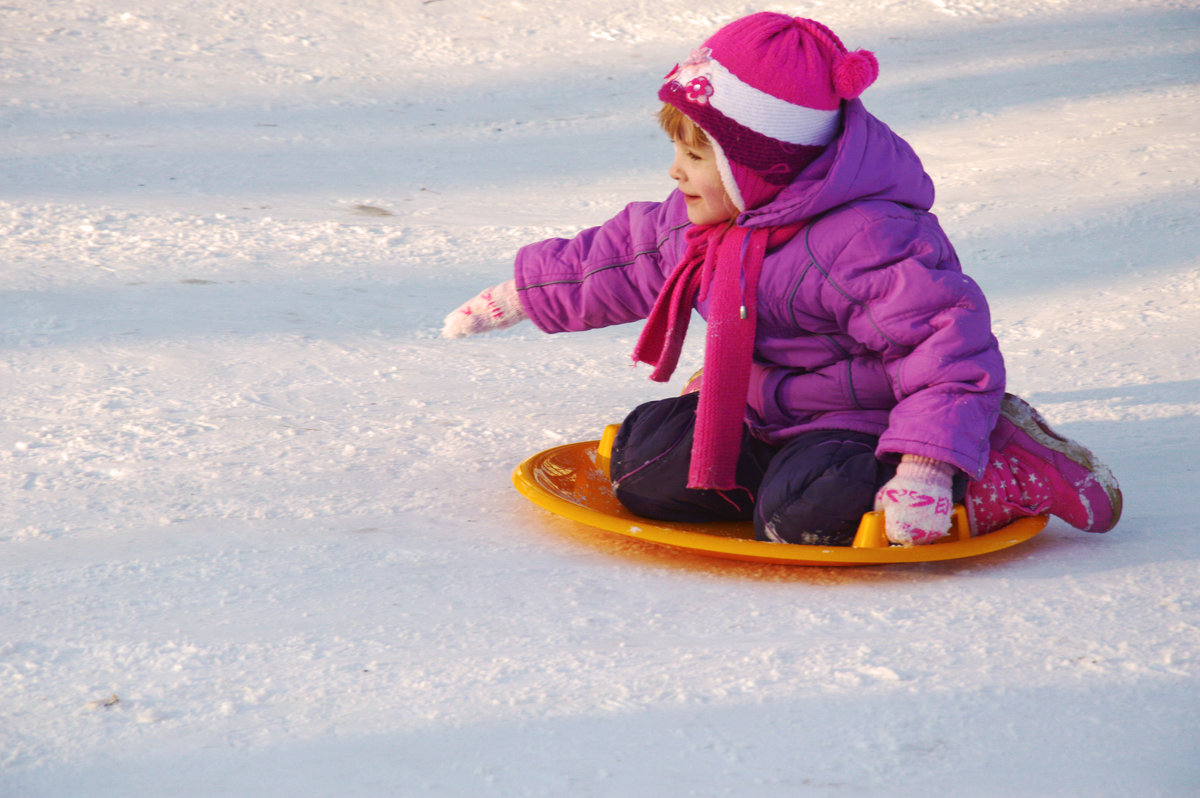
x,y
767,89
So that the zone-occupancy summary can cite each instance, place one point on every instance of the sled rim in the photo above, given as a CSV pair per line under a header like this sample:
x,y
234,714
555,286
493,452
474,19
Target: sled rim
x,y
567,481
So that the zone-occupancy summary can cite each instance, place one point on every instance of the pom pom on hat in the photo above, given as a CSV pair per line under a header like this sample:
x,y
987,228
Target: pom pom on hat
x,y
768,89
854,72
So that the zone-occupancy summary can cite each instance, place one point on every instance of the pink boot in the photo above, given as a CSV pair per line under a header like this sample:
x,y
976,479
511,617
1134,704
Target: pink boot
x,y
1033,470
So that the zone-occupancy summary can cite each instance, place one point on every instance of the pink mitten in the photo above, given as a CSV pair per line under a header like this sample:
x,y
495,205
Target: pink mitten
x,y
494,309
916,503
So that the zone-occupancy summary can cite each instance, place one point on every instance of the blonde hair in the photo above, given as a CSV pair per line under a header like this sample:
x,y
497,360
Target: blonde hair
x,y
677,125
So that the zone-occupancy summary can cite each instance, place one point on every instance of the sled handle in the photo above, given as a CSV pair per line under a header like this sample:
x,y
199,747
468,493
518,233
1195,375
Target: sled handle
x,y
604,449
872,530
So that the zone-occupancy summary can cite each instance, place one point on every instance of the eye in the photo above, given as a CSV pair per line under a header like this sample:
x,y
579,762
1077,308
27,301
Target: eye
x,y
693,156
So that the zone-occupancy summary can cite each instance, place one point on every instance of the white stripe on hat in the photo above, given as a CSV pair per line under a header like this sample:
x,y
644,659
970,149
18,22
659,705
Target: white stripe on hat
x,y
762,112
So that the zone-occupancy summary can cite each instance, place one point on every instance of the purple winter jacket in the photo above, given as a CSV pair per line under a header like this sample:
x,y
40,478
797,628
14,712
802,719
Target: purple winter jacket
x,y
865,322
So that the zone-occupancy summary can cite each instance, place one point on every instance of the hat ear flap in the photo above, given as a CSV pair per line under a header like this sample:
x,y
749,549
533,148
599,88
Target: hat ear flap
x,y
854,72
728,180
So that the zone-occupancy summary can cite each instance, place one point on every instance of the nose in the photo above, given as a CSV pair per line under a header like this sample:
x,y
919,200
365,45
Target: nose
x,y
675,172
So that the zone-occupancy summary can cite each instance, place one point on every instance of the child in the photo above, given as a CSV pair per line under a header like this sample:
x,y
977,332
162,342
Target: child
x,y
849,364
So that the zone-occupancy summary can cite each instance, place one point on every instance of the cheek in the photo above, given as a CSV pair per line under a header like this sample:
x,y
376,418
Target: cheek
x,y
713,187
715,193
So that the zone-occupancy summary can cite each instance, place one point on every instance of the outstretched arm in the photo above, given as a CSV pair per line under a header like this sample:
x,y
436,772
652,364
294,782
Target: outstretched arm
x,y
604,275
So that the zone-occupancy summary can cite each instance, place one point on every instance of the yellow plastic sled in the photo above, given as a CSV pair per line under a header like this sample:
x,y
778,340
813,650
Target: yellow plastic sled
x,y
572,481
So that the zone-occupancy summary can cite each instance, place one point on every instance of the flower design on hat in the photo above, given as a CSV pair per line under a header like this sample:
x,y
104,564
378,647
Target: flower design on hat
x,y
694,66
698,90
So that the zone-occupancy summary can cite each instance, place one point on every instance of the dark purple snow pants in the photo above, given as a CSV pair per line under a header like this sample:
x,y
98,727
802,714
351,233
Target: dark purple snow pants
x,y
813,489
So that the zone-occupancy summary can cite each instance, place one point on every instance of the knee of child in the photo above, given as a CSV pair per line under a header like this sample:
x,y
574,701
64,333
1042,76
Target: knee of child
x,y
814,523
816,495
652,432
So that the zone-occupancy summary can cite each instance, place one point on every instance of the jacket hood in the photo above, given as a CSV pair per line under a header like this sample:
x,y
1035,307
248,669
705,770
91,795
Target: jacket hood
x,y
868,161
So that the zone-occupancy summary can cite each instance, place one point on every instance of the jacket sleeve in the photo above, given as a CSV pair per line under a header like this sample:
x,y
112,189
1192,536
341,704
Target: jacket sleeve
x,y
897,288
605,275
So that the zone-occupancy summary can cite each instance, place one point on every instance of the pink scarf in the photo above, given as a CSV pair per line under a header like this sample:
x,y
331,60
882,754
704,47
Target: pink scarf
x,y
724,262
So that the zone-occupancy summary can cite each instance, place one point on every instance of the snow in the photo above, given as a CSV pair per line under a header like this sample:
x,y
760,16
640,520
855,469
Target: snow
x,y
257,535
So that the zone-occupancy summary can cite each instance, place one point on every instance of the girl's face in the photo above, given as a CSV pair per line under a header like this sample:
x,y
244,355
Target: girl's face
x,y
694,171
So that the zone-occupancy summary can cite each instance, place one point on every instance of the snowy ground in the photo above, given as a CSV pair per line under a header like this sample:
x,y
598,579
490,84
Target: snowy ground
x,y
257,534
